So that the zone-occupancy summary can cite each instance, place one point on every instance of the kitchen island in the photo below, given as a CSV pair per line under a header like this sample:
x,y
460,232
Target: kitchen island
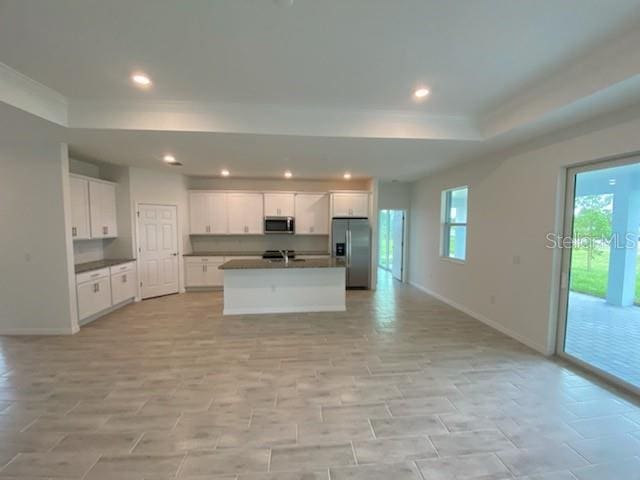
x,y
255,286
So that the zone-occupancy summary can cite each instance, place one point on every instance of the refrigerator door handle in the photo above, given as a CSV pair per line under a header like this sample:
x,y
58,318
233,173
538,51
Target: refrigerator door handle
x,y
348,248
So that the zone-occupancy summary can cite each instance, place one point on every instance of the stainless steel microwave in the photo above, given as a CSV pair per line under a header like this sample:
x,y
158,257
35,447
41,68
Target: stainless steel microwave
x,y
279,225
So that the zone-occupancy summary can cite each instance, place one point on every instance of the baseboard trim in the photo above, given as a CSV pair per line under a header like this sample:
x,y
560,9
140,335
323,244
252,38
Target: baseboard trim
x,y
305,309
38,331
544,350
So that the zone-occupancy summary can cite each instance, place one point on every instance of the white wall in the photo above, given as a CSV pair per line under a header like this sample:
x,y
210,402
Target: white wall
x,y
150,186
37,286
394,196
218,183
510,278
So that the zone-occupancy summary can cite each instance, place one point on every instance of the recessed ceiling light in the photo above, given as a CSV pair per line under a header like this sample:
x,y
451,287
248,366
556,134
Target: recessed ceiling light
x,y
288,174
169,159
421,92
141,79
347,176
224,172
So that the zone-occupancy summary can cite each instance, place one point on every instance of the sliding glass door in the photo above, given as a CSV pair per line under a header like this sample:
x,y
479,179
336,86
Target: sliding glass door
x,y
600,306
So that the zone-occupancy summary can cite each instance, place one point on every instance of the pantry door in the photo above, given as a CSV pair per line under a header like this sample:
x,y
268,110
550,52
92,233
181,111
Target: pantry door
x,y
158,249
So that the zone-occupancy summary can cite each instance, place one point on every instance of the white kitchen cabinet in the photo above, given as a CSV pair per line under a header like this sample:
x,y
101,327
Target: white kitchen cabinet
x,y
94,292
102,207
79,193
245,213
199,221
208,213
123,283
312,213
350,204
203,271
279,204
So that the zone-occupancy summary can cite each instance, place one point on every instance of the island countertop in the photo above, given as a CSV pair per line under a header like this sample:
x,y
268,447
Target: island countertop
x,y
252,264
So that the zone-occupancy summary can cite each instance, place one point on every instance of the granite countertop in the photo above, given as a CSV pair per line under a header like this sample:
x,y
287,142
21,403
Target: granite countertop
x,y
98,264
249,254
252,264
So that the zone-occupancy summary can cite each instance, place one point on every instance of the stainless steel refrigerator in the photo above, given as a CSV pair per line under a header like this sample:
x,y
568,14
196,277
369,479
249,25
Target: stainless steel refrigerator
x,y
351,240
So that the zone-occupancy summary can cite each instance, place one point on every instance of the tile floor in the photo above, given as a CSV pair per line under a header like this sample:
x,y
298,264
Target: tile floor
x,y
605,336
399,387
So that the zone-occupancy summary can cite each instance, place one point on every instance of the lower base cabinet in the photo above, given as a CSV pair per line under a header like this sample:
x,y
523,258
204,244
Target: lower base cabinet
x,y
123,287
94,293
203,271
99,290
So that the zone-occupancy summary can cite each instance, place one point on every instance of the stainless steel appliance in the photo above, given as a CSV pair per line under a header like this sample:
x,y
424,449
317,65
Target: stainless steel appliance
x,y
279,225
351,240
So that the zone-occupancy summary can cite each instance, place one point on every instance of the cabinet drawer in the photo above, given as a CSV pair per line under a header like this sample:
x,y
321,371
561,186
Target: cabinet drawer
x,y
191,260
125,267
92,275
123,286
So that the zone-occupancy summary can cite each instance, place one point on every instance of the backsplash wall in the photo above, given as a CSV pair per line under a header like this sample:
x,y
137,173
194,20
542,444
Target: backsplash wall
x,y
88,251
259,243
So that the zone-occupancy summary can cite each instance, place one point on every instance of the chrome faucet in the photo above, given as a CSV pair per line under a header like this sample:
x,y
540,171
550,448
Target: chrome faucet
x,y
285,256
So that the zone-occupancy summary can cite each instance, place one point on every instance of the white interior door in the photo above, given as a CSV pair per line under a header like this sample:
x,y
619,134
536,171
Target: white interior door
x,y
397,250
158,243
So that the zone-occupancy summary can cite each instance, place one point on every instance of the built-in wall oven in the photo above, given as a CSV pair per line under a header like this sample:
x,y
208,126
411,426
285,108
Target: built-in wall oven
x,y
279,225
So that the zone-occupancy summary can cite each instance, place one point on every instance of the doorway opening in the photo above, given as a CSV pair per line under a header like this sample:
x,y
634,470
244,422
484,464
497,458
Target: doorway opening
x,y
391,231
599,324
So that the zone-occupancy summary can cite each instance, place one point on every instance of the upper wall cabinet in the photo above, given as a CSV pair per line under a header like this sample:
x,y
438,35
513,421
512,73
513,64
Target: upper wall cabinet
x,y
279,204
245,213
208,213
350,204
312,213
220,213
93,208
79,192
102,204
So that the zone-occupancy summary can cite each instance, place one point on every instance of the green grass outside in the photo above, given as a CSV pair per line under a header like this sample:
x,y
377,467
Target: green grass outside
x,y
593,281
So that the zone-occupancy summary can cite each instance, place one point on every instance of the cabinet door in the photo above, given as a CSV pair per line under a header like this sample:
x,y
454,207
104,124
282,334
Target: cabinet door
x,y
213,276
341,205
102,203
279,204
95,208
123,286
199,213
194,274
236,209
93,297
359,205
79,192
110,227
350,205
245,213
254,213
217,207
312,214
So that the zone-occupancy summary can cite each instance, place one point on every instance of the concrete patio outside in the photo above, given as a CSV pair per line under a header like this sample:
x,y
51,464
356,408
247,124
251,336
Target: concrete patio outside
x,y
605,336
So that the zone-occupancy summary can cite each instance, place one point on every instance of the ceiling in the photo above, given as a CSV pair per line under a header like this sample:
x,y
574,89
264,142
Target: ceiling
x,y
264,156
316,86
360,53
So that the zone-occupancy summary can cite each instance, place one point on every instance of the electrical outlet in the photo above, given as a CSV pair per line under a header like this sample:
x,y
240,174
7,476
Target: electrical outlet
x,y
492,299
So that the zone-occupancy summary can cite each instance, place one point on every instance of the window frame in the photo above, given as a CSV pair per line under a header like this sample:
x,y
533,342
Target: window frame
x,y
446,224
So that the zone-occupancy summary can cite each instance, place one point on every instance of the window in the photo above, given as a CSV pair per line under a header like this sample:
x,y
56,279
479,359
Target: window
x,y
454,223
